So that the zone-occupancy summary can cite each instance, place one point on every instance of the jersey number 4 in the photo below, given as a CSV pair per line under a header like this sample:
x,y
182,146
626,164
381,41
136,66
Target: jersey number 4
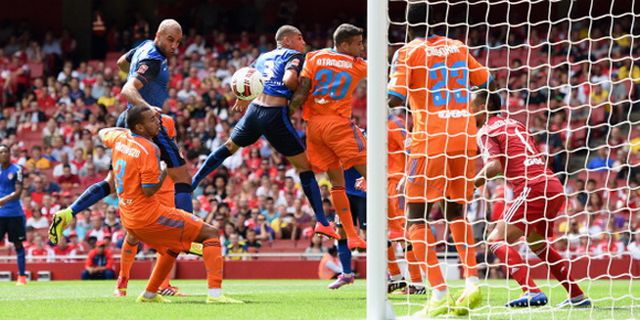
x,y
439,91
333,83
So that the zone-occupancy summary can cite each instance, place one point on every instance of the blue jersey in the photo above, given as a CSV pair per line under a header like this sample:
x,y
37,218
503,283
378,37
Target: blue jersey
x,y
350,177
149,65
9,179
273,65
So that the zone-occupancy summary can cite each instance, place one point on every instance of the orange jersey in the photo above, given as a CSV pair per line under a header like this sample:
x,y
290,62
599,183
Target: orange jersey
x,y
435,74
166,193
334,76
136,164
396,144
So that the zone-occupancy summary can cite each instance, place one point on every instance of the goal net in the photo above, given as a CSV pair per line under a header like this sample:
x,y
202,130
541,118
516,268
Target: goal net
x,y
570,72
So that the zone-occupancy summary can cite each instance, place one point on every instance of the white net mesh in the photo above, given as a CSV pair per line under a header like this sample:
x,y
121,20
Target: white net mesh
x,y
570,72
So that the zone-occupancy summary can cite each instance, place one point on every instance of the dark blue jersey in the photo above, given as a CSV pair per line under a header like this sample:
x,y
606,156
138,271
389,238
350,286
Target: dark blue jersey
x,y
149,65
350,177
10,177
273,65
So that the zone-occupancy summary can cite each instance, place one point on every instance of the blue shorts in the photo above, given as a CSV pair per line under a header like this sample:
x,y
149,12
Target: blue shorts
x,y
169,152
274,124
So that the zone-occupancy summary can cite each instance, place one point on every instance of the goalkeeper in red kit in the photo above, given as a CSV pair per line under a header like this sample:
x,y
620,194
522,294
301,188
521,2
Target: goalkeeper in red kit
x,y
508,149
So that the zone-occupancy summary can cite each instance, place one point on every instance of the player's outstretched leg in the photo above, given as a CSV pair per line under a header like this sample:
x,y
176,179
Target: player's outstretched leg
x,y
559,269
89,197
519,271
347,277
213,261
343,210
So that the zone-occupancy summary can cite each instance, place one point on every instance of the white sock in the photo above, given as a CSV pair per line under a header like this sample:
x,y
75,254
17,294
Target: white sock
x,y
440,294
396,277
149,295
215,292
472,281
577,298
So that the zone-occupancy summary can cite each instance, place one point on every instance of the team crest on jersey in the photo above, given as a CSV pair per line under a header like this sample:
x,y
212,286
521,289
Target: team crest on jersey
x,y
10,176
142,69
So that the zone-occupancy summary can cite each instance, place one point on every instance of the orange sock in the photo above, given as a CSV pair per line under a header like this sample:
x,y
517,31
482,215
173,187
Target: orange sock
x,y
160,271
127,258
415,271
423,243
165,283
395,215
343,210
212,254
463,237
392,264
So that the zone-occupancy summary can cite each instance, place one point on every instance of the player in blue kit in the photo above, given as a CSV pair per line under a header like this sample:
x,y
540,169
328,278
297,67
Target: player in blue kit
x,y
268,116
12,218
147,85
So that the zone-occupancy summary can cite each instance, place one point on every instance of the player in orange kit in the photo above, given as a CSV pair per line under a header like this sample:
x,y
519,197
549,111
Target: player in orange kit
x,y
130,245
334,143
434,74
396,204
138,177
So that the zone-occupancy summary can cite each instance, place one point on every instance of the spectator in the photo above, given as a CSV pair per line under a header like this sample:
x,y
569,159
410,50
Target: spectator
x,y
111,221
315,247
330,266
58,170
97,228
89,175
270,211
37,221
609,245
601,162
68,180
99,264
634,246
263,229
37,161
235,246
252,244
101,159
40,250
63,248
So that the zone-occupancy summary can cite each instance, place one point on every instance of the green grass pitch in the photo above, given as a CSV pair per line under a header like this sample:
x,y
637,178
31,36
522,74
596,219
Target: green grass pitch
x,y
289,299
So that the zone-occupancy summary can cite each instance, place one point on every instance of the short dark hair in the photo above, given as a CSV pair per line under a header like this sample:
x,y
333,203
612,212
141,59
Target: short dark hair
x,y
345,32
492,100
134,116
285,31
417,18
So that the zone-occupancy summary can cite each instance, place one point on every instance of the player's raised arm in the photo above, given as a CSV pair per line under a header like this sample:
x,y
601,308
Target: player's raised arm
x,y
290,77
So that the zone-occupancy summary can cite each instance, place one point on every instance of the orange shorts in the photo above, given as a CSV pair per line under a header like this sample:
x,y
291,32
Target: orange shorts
x,y
174,230
438,177
334,142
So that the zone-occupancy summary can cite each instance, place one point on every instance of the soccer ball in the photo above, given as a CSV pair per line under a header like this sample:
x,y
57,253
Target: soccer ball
x,y
247,83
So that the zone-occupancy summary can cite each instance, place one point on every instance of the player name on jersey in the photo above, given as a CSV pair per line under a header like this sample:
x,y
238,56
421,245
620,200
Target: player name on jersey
x,y
327,62
132,152
442,51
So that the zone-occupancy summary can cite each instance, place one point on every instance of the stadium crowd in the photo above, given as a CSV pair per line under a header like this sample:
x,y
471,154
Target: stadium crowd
x,y
54,104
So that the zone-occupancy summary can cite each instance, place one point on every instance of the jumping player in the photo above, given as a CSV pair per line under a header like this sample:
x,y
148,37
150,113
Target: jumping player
x,y
146,86
334,142
434,74
268,116
138,176
540,195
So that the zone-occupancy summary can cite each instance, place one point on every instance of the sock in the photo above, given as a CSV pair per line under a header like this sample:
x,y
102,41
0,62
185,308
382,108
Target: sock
x,y
214,160
415,273
471,282
440,293
518,270
165,283
21,262
345,256
392,264
91,196
160,271
183,197
312,191
343,210
559,269
127,258
215,292
463,237
423,243
212,254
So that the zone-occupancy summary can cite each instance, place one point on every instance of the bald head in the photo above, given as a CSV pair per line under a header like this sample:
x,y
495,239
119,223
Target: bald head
x,y
168,37
290,37
169,25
